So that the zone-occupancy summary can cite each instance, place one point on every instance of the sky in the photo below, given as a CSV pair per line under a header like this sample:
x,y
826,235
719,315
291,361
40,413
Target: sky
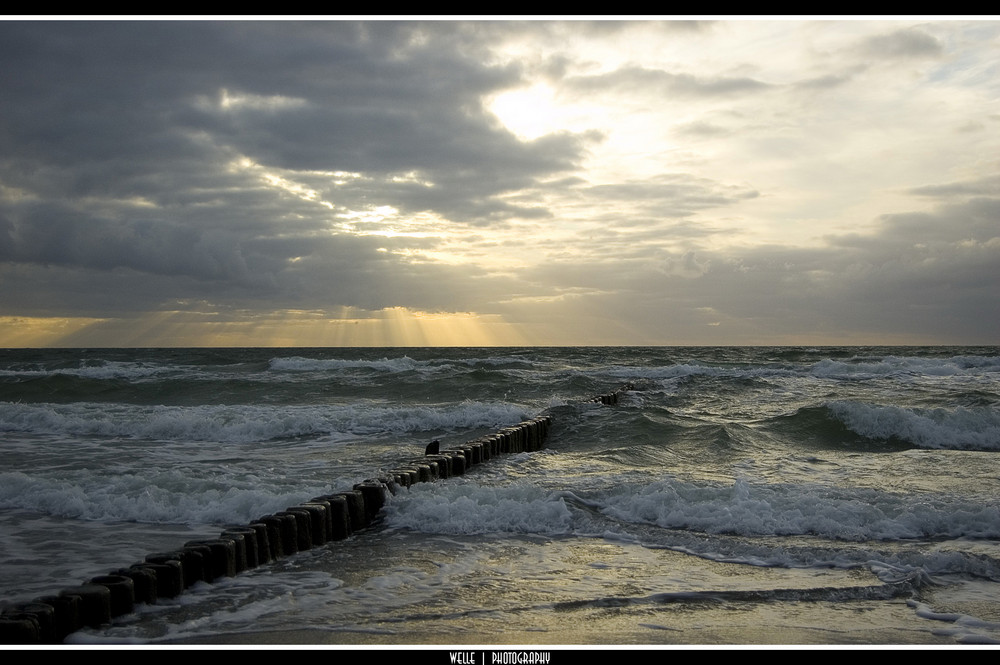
x,y
432,182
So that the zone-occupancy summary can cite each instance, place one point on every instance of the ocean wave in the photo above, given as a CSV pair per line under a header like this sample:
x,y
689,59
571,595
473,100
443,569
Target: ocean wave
x,y
170,496
249,423
301,364
469,509
890,365
852,368
749,509
396,365
961,428
103,370
743,509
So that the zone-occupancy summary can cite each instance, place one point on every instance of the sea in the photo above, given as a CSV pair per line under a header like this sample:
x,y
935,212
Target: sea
x,y
732,496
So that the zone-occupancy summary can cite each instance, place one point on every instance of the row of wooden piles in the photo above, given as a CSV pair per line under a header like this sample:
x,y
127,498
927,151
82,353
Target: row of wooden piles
x,y
612,397
314,523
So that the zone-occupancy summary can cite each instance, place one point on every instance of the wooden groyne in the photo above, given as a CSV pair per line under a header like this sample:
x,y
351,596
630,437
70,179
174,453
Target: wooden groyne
x,y
313,523
612,397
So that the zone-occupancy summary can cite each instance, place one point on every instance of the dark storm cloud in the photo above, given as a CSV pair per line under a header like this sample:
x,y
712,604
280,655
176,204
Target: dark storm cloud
x,y
117,141
938,272
328,273
464,190
369,99
51,234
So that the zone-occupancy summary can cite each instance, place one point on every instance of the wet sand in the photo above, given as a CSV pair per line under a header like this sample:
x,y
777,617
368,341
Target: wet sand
x,y
593,592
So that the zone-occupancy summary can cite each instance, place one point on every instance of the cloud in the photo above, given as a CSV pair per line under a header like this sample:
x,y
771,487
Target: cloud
x,y
671,195
755,180
141,102
918,276
663,83
911,42
988,186
211,151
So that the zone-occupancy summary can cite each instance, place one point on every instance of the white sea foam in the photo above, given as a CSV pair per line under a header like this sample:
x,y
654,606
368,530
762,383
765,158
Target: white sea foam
x,y
102,370
959,428
823,527
767,509
469,508
742,508
904,367
248,423
171,496
301,364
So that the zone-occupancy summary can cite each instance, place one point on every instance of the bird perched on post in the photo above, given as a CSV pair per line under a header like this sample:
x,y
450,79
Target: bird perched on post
x,y
433,447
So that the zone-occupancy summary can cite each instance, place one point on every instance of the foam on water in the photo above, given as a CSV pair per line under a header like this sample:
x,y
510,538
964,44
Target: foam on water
x,y
392,365
171,496
959,428
301,364
248,423
856,368
104,370
902,366
858,514
466,508
743,508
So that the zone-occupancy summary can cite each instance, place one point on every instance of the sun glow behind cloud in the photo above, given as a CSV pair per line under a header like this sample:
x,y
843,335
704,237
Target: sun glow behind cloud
x,y
531,112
